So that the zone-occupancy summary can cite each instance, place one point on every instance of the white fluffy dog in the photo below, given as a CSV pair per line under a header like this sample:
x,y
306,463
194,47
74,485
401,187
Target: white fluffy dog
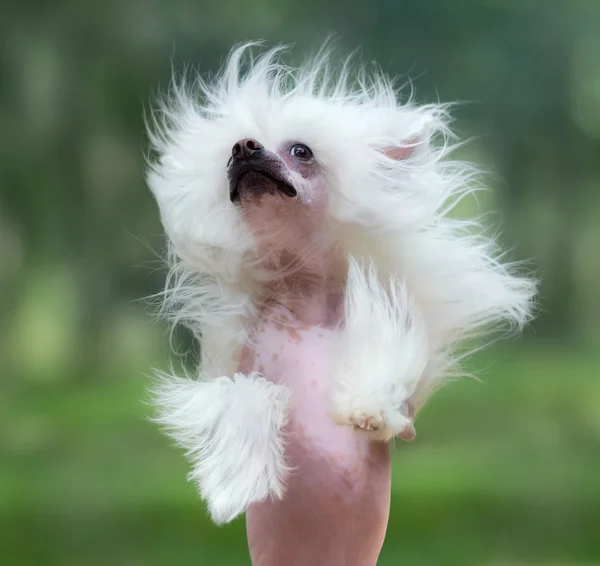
x,y
312,253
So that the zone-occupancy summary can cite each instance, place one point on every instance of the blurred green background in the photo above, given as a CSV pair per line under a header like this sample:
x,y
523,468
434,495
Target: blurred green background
x,y
503,473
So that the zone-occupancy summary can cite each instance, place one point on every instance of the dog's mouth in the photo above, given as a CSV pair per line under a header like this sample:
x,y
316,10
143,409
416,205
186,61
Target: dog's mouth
x,y
254,181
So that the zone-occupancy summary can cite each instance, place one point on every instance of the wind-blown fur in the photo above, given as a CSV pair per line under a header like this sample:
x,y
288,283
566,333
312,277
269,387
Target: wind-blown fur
x,y
208,416
419,278
381,320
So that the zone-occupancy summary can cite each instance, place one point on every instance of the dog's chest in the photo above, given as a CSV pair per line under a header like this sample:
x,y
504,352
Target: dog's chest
x,y
301,357
337,493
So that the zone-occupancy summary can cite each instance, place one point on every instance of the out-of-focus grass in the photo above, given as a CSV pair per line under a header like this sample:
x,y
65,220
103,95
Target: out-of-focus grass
x,y
503,473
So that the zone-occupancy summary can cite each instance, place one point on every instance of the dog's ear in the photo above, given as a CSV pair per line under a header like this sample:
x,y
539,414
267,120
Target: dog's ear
x,y
404,151
414,147
416,142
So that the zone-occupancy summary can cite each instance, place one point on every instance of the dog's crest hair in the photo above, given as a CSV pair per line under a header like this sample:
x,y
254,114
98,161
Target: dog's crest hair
x,y
391,188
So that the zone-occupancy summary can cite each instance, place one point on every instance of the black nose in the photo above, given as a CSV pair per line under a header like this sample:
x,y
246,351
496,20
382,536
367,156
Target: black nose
x,y
246,148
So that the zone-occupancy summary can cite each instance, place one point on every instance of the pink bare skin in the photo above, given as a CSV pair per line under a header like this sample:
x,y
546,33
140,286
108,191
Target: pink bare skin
x,y
336,506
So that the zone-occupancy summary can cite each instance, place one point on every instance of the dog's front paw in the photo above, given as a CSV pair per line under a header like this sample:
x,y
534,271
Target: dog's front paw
x,y
381,356
382,425
232,431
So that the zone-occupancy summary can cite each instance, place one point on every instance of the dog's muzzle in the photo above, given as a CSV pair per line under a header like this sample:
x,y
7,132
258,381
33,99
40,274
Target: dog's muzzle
x,y
253,170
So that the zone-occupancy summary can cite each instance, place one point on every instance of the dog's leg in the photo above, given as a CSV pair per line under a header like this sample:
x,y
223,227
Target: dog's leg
x,y
231,429
382,355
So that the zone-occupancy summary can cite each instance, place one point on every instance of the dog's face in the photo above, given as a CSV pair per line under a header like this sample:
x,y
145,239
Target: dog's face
x,y
281,195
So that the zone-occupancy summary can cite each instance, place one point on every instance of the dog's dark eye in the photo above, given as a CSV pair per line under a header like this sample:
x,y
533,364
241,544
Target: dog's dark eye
x,y
301,151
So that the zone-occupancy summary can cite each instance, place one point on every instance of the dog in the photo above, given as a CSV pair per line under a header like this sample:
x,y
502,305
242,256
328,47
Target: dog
x,y
314,254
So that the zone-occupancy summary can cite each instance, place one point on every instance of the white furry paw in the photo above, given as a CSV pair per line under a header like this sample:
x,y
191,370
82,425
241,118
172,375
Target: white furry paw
x,y
232,431
379,425
382,355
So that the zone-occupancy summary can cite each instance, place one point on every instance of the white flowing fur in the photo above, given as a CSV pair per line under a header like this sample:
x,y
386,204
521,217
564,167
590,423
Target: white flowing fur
x,y
426,282
382,355
232,431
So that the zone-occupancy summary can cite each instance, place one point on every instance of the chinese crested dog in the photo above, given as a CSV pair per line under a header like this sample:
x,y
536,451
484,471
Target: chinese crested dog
x,y
313,252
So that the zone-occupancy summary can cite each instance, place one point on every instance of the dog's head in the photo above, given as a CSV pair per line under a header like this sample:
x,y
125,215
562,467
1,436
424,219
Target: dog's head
x,y
263,152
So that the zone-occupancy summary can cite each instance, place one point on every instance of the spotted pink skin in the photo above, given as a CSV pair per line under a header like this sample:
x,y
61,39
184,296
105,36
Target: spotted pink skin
x,y
336,505
335,509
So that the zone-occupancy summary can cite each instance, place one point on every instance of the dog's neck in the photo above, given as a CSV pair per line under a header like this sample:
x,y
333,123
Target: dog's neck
x,y
308,284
